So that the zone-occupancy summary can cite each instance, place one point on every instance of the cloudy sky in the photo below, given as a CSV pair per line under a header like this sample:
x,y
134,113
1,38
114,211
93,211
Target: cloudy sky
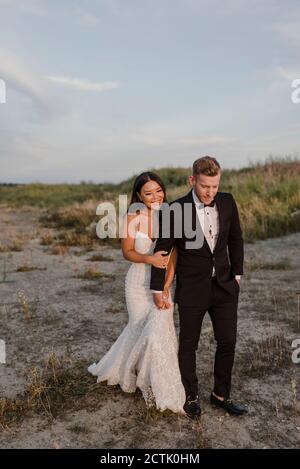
x,y
102,89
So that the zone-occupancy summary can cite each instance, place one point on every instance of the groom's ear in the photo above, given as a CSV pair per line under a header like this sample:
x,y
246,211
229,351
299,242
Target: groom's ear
x,y
191,179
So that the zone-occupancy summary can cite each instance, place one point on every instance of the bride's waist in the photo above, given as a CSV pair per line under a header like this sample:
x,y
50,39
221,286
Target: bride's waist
x,y
138,272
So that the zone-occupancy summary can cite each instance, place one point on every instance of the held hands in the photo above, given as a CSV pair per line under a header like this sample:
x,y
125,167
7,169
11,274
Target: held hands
x,y
160,259
161,300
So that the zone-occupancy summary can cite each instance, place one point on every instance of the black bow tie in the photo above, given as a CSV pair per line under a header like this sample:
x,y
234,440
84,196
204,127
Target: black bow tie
x,y
212,204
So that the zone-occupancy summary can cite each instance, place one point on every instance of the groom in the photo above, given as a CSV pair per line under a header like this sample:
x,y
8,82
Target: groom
x,y
207,279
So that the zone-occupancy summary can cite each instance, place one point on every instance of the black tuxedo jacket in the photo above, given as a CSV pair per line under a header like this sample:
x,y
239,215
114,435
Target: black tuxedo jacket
x,y
194,266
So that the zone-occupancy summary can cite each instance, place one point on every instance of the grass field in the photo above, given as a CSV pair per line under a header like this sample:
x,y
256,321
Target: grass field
x,y
267,194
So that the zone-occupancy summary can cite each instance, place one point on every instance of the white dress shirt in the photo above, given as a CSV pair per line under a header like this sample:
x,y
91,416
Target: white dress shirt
x,y
209,221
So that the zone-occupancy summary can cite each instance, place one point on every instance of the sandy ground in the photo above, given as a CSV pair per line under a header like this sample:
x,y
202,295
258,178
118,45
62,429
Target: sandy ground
x,y
79,319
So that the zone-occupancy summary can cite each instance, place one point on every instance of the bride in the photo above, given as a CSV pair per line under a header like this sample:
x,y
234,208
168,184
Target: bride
x,y
145,354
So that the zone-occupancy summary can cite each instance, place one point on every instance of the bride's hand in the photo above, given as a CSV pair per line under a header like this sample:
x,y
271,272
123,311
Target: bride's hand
x,y
159,259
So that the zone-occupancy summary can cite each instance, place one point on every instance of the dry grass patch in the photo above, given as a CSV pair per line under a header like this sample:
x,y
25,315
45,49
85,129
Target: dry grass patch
x,y
16,246
60,250
62,385
92,274
100,258
270,355
47,239
280,265
29,268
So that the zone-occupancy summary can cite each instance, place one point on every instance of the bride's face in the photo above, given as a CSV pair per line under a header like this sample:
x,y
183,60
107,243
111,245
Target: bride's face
x,y
152,195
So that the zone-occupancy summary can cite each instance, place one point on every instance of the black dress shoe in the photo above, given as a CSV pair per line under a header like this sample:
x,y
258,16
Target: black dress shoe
x,y
228,405
192,407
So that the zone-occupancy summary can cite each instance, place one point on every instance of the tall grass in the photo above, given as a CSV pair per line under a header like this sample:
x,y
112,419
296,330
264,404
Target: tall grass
x,y
53,195
267,195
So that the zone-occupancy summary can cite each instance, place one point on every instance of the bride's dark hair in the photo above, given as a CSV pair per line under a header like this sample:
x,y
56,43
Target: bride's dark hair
x,y
139,182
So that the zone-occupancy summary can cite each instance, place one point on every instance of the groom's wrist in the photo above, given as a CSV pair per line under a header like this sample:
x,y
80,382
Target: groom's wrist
x,y
156,291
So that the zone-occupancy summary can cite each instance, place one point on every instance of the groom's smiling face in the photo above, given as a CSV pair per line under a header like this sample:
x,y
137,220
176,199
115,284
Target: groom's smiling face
x,y
205,187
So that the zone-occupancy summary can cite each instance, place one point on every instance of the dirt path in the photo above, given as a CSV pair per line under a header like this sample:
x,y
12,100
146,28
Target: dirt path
x,y
79,319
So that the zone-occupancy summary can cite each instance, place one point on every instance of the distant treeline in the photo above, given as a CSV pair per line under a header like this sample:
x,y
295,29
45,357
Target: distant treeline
x,y
9,184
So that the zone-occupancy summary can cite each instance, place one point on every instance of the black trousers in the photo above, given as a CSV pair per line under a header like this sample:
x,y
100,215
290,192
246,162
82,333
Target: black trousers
x,y
222,308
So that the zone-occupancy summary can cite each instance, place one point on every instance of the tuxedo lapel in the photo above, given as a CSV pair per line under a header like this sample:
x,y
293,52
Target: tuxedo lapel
x,y
219,207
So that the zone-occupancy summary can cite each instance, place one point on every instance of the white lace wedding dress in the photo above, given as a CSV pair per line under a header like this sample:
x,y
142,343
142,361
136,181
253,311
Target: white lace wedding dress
x,y
145,353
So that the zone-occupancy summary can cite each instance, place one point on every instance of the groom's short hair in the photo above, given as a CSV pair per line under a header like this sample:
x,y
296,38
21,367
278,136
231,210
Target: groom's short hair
x,y
206,165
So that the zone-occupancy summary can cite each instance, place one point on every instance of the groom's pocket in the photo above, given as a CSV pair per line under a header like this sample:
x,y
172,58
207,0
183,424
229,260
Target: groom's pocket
x,y
237,285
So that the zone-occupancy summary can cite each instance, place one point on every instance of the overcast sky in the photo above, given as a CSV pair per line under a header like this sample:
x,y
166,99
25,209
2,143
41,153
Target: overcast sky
x,y
102,89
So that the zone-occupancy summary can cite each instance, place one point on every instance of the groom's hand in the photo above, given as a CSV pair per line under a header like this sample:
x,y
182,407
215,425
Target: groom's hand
x,y
159,300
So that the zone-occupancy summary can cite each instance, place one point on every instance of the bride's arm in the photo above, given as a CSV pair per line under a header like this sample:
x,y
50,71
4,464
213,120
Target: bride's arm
x,y
171,269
